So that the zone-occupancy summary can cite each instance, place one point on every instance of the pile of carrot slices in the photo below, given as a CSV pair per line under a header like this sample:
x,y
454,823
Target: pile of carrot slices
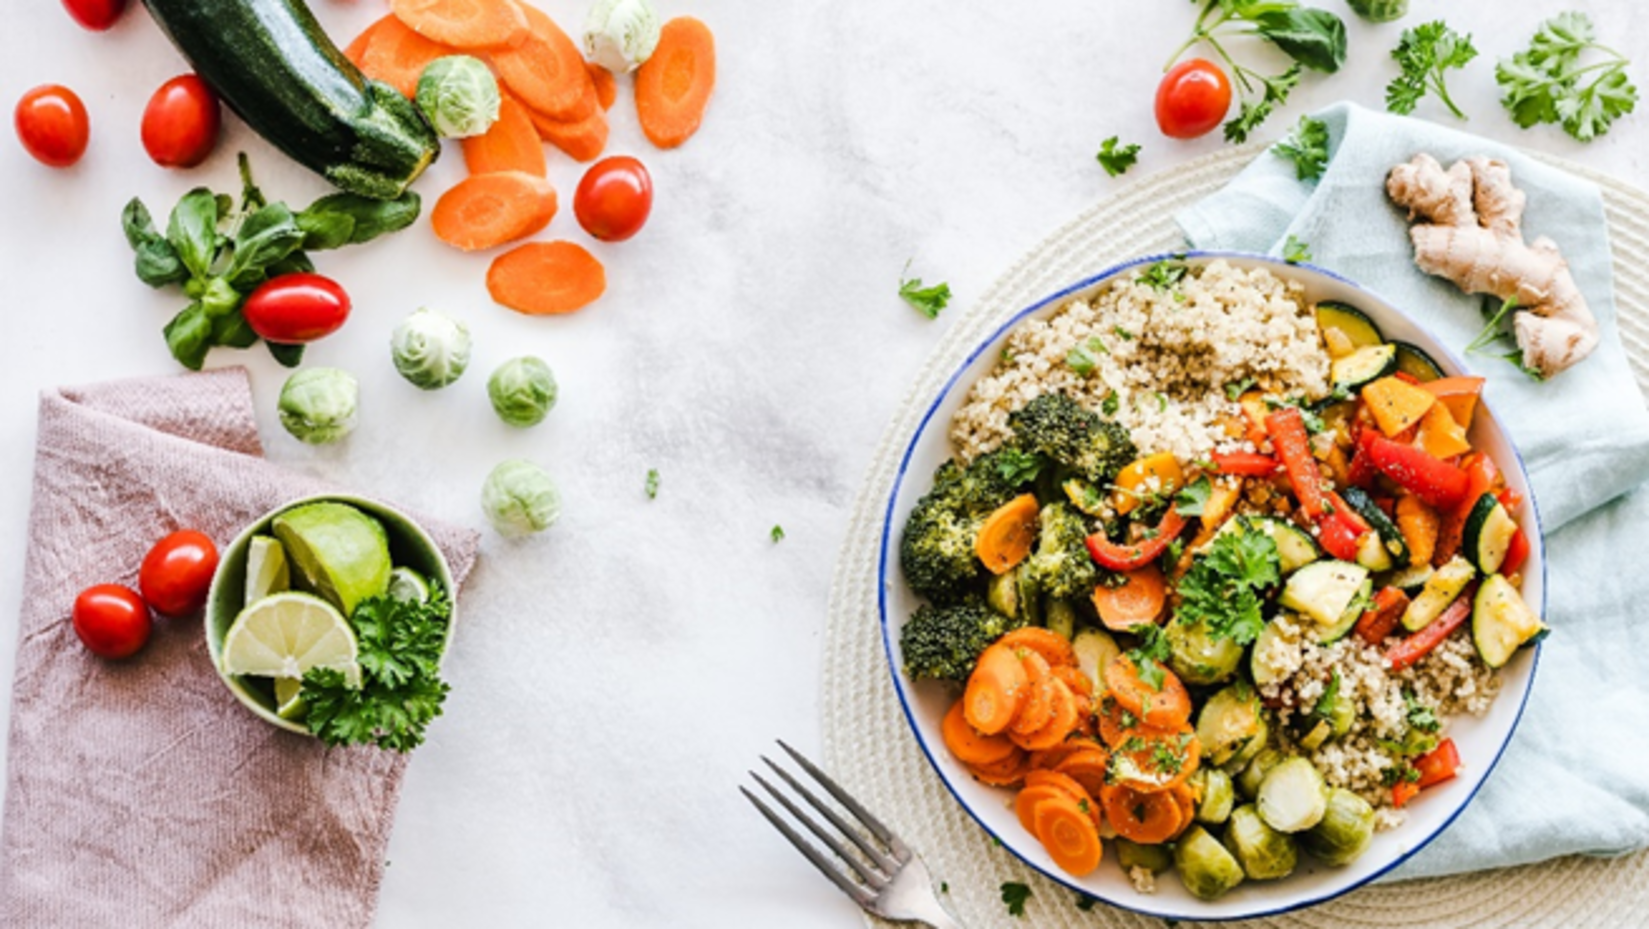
x,y
550,94
1029,718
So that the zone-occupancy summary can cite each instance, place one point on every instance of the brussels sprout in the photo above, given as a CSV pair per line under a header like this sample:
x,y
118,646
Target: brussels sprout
x,y
1264,853
319,405
1060,617
1153,858
1095,650
1248,782
520,498
1244,755
1345,830
459,96
1217,795
1197,656
522,390
620,35
430,350
1292,796
1206,868
1228,721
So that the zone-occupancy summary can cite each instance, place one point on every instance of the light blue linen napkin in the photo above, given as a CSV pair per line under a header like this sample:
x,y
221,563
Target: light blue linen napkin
x,y
1576,776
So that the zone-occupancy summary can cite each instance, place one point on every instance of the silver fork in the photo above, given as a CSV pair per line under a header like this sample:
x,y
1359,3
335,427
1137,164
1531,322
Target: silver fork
x,y
887,879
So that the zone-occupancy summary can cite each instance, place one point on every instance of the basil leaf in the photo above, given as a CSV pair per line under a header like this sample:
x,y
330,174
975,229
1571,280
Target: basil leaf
x,y
322,231
157,264
138,225
264,238
233,330
219,299
350,219
1315,38
189,336
193,230
295,263
289,355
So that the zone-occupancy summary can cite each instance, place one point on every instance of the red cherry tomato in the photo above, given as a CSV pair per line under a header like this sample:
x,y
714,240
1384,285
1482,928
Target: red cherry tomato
x,y
96,15
177,573
52,125
111,620
1192,99
614,198
181,122
296,308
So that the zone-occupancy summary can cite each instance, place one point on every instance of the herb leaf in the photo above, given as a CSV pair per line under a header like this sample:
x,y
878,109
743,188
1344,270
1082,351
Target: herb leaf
x,y
1324,708
651,486
1255,112
1424,53
1223,586
1307,147
401,690
1018,467
925,300
1548,83
1193,499
1296,251
1014,894
193,230
1117,159
776,534
1312,37
1165,274
1148,656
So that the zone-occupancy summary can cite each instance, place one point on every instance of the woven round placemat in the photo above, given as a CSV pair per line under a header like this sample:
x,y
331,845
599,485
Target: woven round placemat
x,y
869,748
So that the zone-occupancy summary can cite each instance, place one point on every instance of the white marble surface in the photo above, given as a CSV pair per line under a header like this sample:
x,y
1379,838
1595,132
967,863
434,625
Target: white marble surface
x,y
616,676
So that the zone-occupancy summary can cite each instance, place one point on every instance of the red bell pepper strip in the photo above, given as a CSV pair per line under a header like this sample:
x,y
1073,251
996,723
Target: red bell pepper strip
x,y
1481,477
1420,644
1339,507
1516,553
1510,499
1287,430
1339,536
1407,378
1360,472
1380,620
1137,555
1437,765
1402,792
1247,464
1437,483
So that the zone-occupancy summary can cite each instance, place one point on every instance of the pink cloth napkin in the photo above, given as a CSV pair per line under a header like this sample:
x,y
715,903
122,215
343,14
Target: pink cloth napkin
x,y
140,793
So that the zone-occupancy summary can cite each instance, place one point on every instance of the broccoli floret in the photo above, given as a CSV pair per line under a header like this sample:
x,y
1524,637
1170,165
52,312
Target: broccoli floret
x,y
937,551
1061,566
942,642
1078,439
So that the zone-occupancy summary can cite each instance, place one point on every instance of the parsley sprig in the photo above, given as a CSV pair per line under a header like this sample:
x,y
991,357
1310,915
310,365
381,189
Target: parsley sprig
x,y
399,649
928,301
1296,250
1307,147
1224,587
1148,656
1117,158
1424,53
1014,894
1548,83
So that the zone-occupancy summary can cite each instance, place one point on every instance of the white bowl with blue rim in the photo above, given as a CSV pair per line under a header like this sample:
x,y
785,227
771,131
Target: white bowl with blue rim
x,y
1481,740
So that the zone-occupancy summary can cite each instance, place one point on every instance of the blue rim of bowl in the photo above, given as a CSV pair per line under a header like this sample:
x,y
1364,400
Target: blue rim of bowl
x,y
887,527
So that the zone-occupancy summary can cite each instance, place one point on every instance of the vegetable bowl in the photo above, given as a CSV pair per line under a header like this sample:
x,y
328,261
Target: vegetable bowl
x,y
1319,686
334,584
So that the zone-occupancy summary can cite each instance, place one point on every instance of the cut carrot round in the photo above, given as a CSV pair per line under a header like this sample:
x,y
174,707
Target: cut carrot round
x,y
1149,819
489,210
1071,787
583,140
673,86
1058,728
1038,708
1068,833
547,71
1007,772
1167,708
510,144
1026,801
1050,758
1138,599
969,745
546,278
1087,767
394,54
1152,761
995,691
1007,534
606,89
468,24
1053,647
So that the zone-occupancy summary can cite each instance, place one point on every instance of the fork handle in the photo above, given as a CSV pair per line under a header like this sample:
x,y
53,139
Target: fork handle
x,y
933,914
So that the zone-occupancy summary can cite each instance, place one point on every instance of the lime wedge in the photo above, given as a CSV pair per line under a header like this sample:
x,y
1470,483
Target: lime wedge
x,y
286,634
266,569
339,552
288,699
408,586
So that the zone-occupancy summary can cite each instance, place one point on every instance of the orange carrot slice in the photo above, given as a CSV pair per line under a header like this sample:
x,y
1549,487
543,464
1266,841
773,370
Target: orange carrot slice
x,y
396,55
1155,761
1138,599
546,278
1167,708
547,71
1026,801
1066,783
1058,728
1087,767
488,210
606,89
583,140
1053,647
1067,831
968,745
673,86
510,144
1005,773
467,24
1039,695
1149,819
1007,534
1049,759
996,690
355,51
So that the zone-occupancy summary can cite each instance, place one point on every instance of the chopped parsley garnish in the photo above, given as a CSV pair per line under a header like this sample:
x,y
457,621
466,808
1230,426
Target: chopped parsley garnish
x,y
1419,715
1165,274
1236,389
925,300
1331,694
1116,158
1122,333
1014,894
1307,147
1224,586
1165,759
1110,404
777,534
652,484
1081,358
1150,653
1296,250
1401,773
1193,499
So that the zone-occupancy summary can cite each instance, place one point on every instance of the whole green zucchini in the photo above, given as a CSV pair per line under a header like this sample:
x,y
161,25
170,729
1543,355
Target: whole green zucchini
x,y
274,65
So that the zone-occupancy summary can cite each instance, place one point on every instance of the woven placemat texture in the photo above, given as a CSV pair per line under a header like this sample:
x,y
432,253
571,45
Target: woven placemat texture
x,y
866,741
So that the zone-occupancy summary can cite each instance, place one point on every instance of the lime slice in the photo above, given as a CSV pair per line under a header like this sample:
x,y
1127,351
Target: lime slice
x,y
266,569
408,586
339,552
288,700
286,634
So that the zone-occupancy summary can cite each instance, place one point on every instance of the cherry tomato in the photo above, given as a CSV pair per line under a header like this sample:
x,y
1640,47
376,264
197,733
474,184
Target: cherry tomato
x,y
296,308
1192,99
177,573
52,125
111,620
614,198
180,124
96,15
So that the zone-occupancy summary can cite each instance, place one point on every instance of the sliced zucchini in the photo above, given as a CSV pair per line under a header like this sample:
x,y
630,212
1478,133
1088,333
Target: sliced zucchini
x,y
1445,584
1060,617
1003,593
1316,736
1295,547
1488,533
1358,329
1391,538
1228,721
1095,650
1323,590
1372,554
1413,361
1348,618
1412,577
1363,366
1502,621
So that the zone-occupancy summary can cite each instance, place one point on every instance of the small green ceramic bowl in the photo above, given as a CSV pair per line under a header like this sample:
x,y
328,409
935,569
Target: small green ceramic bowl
x,y
409,546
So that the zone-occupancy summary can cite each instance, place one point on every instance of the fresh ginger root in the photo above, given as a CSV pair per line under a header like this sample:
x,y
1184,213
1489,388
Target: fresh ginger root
x,y
1473,236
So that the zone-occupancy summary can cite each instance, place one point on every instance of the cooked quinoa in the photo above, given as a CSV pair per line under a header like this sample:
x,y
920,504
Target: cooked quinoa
x,y
1166,356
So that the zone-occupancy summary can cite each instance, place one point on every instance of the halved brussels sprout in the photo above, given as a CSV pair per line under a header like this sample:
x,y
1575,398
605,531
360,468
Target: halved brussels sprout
x,y
1060,617
1248,782
1344,832
1207,869
1292,796
1244,755
1095,650
1228,721
1153,858
1264,853
1217,795
1199,657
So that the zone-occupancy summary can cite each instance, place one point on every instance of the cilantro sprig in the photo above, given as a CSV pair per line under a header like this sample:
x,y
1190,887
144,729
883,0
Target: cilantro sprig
x,y
1014,894
1549,83
1307,147
1149,655
1296,250
928,301
399,650
1117,158
1424,53
1224,587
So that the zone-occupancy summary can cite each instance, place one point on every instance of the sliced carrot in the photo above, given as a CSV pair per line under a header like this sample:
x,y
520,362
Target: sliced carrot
x,y
546,278
1039,697
1458,395
1064,782
583,140
1156,761
1074,678
1149,819
606,89
488,210
996,690
510,144
1187,799
1138,599
547,71
1068,833
1419,525
355,51
1058,728
1007,534
1053,647
1167,708
1005,773
469,24
673,87
1049,759
394,54
1027,800
1087,767
1117,724
969,745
